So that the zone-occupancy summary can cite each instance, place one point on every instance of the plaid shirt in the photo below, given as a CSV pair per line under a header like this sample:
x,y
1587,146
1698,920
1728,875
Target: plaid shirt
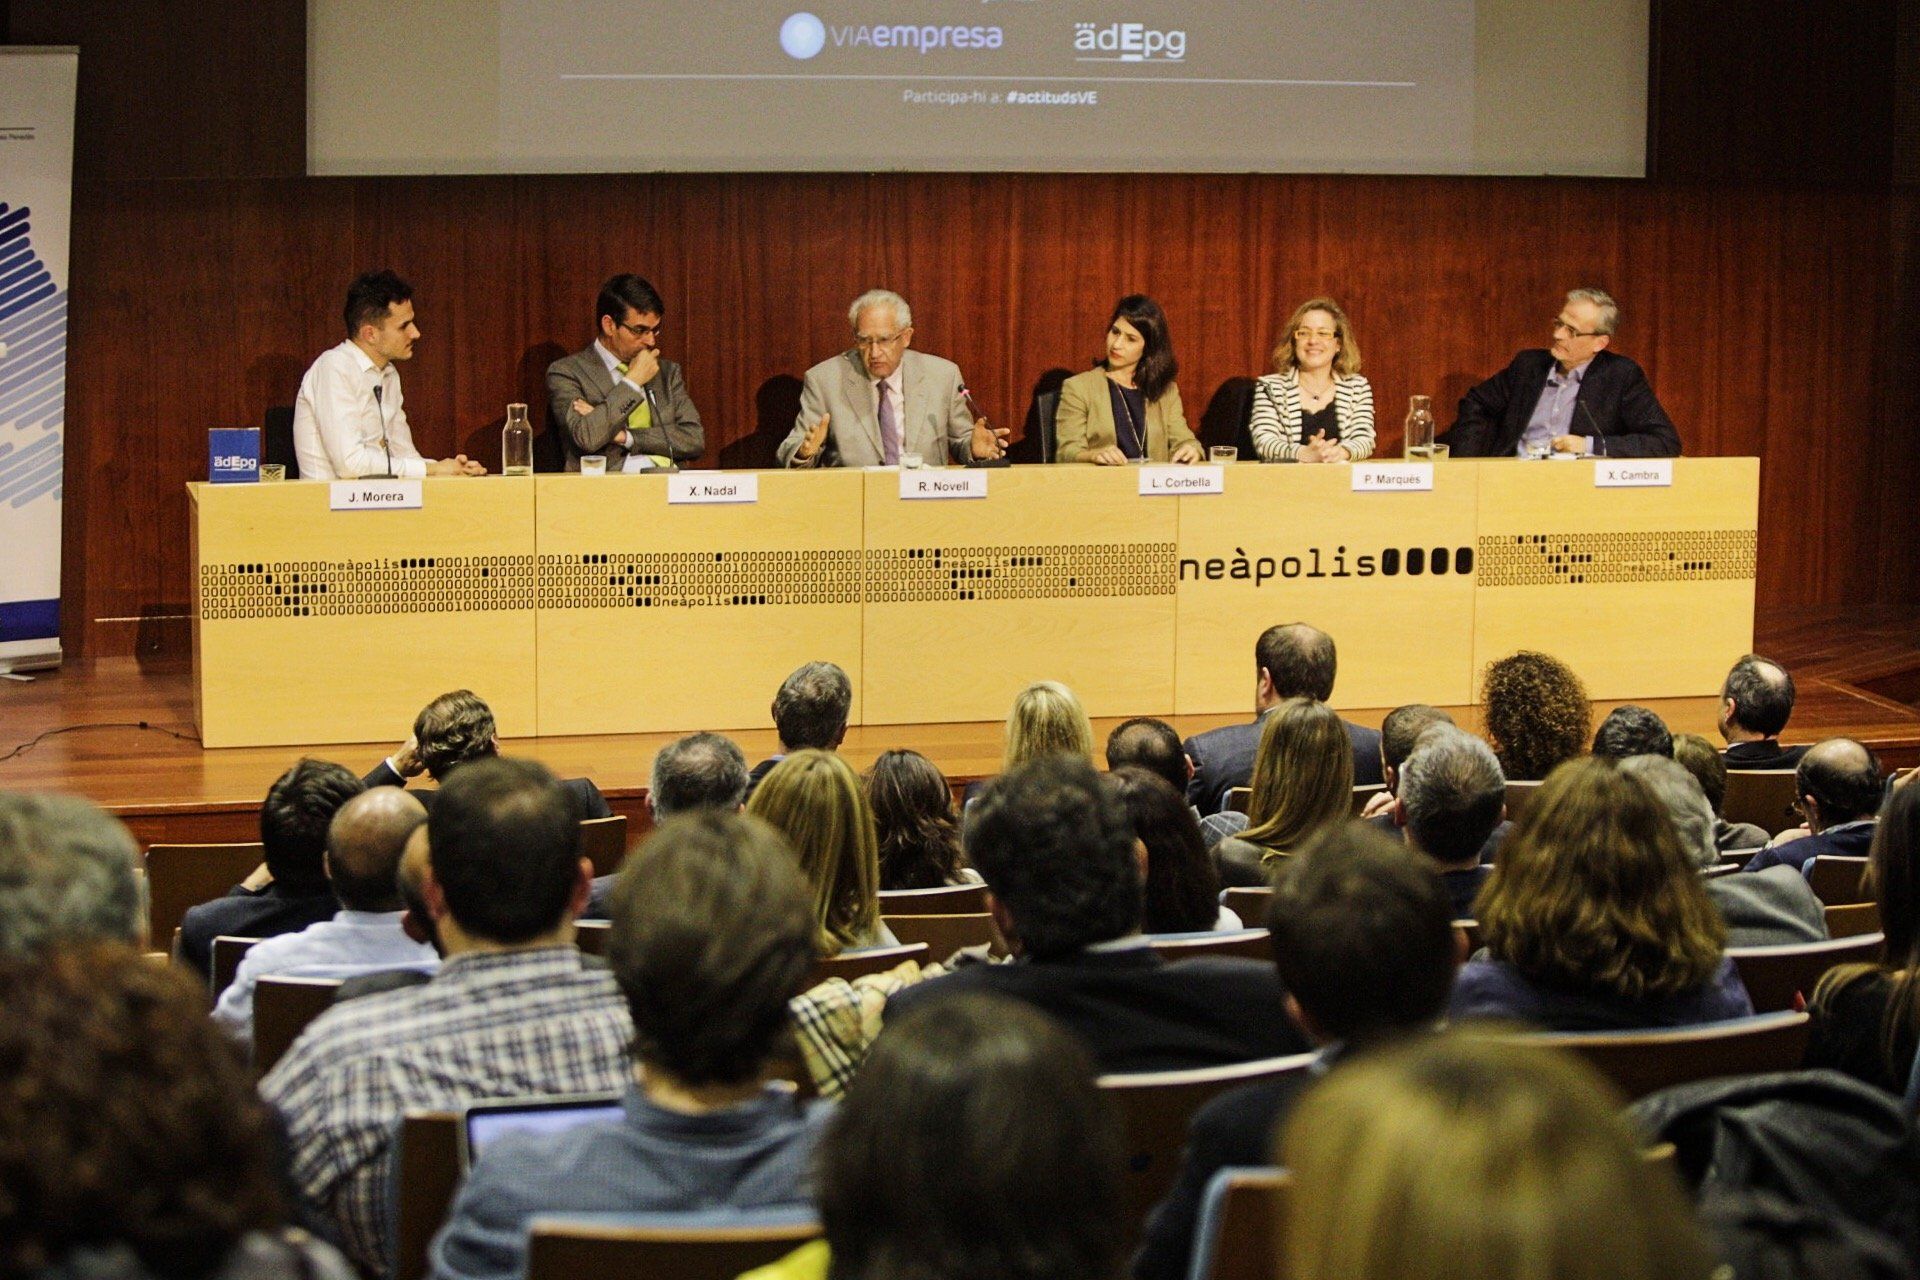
x,y
493,1025
835,1023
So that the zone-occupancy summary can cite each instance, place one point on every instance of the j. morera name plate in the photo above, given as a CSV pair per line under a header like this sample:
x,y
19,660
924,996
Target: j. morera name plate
x,y
375,495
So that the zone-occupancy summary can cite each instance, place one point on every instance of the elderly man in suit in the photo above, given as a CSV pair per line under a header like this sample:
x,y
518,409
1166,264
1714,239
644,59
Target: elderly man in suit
x,y
1575,398
880,401
618,398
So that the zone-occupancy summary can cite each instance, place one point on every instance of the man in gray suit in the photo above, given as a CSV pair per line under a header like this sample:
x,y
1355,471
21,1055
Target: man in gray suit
x,y
618,398
879,402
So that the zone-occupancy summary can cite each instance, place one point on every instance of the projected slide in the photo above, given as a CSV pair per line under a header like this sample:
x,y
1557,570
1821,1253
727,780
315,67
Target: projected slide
x,y
1303,85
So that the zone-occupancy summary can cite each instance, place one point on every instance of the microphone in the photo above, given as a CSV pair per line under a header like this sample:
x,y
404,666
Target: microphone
x,y
1595,424
380,407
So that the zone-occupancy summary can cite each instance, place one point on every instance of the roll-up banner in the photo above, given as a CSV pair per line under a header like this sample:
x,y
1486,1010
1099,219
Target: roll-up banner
x,y
36,196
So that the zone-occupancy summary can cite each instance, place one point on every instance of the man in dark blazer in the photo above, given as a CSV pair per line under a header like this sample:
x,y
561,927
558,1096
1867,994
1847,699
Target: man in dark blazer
x,y
1755,703
1293,660
1066,889
1574,398
1840,790
451,730
618,397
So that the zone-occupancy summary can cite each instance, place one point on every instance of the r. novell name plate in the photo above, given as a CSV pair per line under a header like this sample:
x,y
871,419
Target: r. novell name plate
x,y
1632,473
1392,477
712,486
375,495
943,484
1161,482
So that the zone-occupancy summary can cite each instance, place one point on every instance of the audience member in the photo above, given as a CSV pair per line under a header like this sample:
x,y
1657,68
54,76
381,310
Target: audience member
x,y
1866,1018
364,844
416,921
712,934
1457,1155
1153,745
1767,908
1182,888
132,1146
450,731
1047,719
1065,890
290,891
974,1143
513,1011
702,771
810,710
1452,798
1536,714
1702,760
1839,791
1399,731
913,816
814,799
1363,938
1755,703
68,873
1293,660
1632,731
1302,783
1595,919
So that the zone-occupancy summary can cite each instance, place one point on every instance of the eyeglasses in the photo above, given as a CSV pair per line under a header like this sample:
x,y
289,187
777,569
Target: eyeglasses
x,y
643,330
868,342
1561,326
1307,335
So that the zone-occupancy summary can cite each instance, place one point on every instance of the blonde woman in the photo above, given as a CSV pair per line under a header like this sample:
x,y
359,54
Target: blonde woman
x,y
1302,783
1047,719
815,799
1454,1155
1315,406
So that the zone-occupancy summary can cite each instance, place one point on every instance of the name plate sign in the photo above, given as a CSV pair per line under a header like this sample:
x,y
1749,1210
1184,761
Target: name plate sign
x,y
1392,477
1632,473
943,484
712,486
375,495
1159,482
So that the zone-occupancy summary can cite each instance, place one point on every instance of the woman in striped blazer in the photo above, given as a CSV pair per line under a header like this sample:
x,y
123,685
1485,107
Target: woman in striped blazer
x,y
1316,407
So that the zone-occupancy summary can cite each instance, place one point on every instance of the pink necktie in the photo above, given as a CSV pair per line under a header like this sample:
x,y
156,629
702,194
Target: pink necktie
x,y
889,429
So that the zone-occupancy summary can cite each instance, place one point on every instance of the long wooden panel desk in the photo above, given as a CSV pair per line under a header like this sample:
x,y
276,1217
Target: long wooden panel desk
x,y
593,605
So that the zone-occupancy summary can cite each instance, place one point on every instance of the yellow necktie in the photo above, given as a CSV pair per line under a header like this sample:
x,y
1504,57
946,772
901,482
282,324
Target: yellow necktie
x,y
639,420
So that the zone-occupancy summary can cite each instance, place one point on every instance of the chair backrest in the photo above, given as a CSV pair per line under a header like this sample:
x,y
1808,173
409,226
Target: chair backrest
x,y
282,1008
1775,975
1248,944
1836,881
1249,903
1237,1235
943,935
1238,798
1363,794
591,935
628,1245
856,964
947,900
1853,919
1155,1109
185,875
1518,793
276,439
1762,797
1472,929
1644,1062
1722,869
603,842
426,1177
228,952
1046,406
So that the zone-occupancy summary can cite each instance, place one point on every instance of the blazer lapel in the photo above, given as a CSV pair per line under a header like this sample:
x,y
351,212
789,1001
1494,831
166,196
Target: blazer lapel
x,y
860,394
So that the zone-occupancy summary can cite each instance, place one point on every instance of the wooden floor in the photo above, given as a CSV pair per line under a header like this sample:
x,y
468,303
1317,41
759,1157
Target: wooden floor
x,y
121,732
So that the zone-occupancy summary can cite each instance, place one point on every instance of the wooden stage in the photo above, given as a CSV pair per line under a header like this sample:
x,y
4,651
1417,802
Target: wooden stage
x,y
1856,676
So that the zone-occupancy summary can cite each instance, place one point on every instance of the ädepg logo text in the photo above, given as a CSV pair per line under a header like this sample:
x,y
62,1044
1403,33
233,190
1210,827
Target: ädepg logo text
x,y
803,35
1127,42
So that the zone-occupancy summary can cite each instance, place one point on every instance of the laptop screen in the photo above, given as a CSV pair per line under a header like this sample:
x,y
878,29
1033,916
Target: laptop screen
x,y
487,1121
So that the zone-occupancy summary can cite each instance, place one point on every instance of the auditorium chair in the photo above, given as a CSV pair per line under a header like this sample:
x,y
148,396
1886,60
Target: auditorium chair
x,y
603,842
185,875
276,439
1248,903
1472,929
1155,1109
1236,1236
715,1245
856,964
1046,407
591,936
1775,975
1238,798
1644,1062
1837,881
426,1177
947,900
282,1008
228,952
1763,797
1248,944
1724,868
943,934
1853,919
1518,793
1363,795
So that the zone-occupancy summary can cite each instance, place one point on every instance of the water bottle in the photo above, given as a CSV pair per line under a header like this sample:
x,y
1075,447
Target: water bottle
x,y
516,443
1419,438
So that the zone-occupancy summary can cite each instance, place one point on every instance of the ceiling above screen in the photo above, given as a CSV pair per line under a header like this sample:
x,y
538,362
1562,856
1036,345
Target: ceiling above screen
x,y
1279,86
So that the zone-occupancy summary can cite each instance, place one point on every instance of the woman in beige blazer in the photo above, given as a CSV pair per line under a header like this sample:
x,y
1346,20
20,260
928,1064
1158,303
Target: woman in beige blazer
x,y
1128,408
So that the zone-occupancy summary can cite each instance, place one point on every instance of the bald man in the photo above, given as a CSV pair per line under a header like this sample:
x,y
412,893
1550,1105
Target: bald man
x,y
365,843
1840,790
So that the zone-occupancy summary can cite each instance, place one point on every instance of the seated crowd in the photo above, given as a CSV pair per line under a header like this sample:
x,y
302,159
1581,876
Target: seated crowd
x,y
940,1114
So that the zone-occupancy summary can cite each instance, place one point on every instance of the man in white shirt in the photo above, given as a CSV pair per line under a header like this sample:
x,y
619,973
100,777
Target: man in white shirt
x,y
349,420
365,842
